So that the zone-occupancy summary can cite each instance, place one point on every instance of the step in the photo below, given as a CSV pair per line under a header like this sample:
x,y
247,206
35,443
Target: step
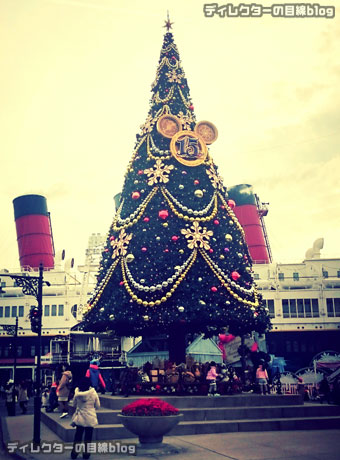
x,y
108,416
116,431
183,402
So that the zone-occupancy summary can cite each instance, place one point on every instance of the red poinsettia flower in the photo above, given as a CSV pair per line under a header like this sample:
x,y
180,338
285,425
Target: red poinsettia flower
x,y
149,406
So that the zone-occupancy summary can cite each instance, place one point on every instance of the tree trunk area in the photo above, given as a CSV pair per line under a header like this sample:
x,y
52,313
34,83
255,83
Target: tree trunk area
x,y
177,345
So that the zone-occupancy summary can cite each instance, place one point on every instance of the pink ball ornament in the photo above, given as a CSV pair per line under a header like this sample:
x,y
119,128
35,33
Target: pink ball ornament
x,y
235,276
144,249
174,238
231,204
226,249
121,283
106,250
216,222
211,251
166,250
191,107
146,219
140,172
135,195
196,181
163,214
213,289
112,238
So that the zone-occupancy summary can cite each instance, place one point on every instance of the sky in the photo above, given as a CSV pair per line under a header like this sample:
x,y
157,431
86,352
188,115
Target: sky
x,y
75,85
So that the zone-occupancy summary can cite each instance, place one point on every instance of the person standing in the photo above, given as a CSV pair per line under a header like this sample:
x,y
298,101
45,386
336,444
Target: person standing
x,y
10,398
211,379
85,402
93,373
63,390
262,378
23,397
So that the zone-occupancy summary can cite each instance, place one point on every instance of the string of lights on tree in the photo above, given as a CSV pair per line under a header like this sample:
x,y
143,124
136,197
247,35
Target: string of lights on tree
x,y
175,253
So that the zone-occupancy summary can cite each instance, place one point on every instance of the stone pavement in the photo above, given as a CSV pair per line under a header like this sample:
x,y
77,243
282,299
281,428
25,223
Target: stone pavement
x,y
270,445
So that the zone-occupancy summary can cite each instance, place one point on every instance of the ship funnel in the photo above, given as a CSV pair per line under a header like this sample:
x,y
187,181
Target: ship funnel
x,y
34,232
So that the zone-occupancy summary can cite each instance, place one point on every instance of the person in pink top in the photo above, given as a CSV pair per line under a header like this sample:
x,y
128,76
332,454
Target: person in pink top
x,y
211,379
262,378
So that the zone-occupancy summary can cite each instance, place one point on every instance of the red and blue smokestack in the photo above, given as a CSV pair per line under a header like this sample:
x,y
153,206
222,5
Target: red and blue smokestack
x,y
34,231
250,214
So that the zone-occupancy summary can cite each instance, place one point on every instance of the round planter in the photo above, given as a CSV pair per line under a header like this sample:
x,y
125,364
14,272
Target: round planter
x,y
150,430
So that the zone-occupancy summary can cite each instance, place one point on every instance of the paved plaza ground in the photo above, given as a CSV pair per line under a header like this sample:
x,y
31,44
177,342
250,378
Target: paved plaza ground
x,y
270,445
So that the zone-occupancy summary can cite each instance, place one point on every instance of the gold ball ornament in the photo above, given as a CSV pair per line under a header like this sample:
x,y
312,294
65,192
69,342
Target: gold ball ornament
x,y
181,309
228,237
130,258
198,193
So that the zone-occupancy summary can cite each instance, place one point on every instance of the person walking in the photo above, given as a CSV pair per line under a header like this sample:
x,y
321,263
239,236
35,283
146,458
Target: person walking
x,y
85,402
262,378
63,390
22,396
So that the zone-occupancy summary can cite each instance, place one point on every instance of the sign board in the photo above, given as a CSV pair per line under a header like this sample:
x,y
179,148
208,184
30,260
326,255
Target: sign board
x,y
232,347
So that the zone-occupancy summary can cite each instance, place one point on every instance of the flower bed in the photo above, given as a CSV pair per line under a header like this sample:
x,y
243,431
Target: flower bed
x,y
149,407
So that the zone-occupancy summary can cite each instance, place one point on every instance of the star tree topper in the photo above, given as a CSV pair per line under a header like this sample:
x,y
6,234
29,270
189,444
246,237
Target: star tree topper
x,y
168,23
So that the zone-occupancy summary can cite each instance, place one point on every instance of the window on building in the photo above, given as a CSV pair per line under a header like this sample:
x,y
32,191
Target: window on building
x,y
32,350
60,310
3,284
54,310
308,308
333,307
285,308
315,308
47,310
6,352
21,311
281,276
300,308
296,276
270,305
7,312
14,311
19,351
1,312
338,274
325,273
296,346
288,346
256,276
292,308
46,349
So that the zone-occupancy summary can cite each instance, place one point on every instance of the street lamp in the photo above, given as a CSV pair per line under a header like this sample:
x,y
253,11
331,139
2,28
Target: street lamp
x,y
12,329
32,285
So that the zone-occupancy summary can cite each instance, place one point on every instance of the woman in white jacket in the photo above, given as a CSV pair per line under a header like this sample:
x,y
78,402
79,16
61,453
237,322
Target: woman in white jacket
x,y
85,402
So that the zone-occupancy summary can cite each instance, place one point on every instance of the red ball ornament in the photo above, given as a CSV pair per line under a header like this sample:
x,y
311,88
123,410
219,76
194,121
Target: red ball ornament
x,y
196,181
216,222
121,283
235,276
144,249
135,195
182,86
213,289
163,214
112,238
106,250
140,172
191,107
211,251
174,238
146,219
231,204
166,250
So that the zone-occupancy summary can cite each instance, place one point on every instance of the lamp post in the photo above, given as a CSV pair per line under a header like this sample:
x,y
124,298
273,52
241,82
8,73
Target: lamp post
x,y
12,329
32,285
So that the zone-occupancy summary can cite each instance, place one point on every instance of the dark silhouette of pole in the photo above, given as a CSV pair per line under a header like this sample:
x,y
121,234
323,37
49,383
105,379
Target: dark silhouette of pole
x,y
15,359
37,396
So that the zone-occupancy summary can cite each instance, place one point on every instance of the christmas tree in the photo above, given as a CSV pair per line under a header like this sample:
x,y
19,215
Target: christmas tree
x,y
176,260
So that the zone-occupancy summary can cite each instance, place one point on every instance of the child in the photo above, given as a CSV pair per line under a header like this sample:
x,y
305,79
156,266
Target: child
x,y
262,378
93,373
211,379
44,398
